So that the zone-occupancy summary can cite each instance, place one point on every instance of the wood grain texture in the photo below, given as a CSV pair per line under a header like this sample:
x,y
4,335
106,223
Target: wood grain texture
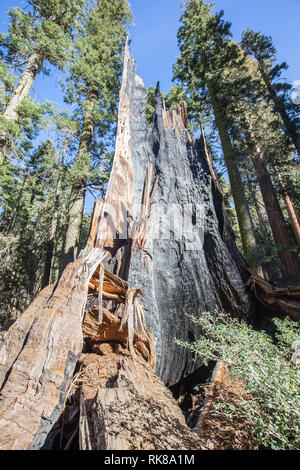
x,y
38,376
135,412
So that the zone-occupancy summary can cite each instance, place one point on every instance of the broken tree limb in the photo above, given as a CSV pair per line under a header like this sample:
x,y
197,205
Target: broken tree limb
x,y
216,379
278,300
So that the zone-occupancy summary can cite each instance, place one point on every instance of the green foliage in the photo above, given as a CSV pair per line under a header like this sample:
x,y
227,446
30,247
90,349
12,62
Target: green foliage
x,y
277,92
44,30
205,67
230,210
150,105
239,85
172,99
85,230
264,365
94,81
28,200
207,51
37,175
98,54
6,84
175,97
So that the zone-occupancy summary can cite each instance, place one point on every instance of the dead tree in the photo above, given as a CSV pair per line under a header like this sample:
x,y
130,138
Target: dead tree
x,y
79,369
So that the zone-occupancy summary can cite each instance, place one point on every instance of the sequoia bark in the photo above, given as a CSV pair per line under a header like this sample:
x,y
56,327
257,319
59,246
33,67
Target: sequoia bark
x,y
165,225
190,265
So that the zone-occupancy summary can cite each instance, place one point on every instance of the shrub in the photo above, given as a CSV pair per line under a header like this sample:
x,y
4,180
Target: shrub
x,y
265,367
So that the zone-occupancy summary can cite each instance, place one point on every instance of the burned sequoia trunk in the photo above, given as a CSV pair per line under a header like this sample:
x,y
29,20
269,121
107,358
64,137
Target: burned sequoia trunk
x,y
173,237
81,374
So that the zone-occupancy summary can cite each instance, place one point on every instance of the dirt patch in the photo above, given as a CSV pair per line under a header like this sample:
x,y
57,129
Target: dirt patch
x,y
219,432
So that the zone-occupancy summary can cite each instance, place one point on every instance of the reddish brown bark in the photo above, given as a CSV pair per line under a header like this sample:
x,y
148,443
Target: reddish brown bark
x,y
294,218
288,259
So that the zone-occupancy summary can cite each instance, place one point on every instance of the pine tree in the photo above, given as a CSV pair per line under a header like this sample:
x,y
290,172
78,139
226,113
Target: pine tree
x,y
66,130
207,53
27,212
94,85
36,37
264,141
261,47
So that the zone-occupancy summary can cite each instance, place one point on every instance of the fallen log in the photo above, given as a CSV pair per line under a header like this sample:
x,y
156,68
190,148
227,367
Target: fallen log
x,y
284,301
216,380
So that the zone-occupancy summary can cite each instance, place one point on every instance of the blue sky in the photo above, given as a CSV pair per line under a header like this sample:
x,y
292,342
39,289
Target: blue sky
x,y
154,43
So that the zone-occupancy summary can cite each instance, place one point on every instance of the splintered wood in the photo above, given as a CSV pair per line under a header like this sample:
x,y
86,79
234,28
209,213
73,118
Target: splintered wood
x,y
134,412
113,287
112,332
280,300
39,355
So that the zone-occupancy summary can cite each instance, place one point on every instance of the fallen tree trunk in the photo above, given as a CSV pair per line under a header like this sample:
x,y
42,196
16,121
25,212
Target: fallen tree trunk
x,y
279,300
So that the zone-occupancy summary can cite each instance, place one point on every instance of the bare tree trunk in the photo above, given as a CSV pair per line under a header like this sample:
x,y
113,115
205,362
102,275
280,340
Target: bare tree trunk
x,y
23,88
288,259
267,268
77,197
280,108
50,255
294,218
22,91
236,184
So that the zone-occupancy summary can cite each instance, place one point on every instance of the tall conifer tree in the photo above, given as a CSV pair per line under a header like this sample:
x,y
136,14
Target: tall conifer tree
x,y
207,53
94,86
261,47
41,35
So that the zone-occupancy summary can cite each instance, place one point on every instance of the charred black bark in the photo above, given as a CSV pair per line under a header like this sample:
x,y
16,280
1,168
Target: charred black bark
x,y
177,275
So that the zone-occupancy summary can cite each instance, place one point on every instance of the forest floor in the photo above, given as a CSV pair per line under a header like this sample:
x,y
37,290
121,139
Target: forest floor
x,y
218,431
